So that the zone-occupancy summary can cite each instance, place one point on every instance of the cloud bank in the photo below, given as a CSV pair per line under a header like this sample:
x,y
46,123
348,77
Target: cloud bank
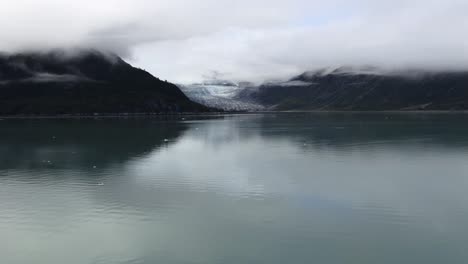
x,y
184,40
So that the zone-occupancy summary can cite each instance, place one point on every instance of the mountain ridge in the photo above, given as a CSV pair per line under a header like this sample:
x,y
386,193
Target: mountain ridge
x,y
87,82
345,90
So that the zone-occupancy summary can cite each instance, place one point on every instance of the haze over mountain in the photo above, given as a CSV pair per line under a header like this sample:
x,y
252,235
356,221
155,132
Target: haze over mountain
x,y
253,40
84,82
258,41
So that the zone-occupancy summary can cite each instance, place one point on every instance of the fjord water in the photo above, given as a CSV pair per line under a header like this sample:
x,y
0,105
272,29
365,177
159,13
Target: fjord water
x,y
264,188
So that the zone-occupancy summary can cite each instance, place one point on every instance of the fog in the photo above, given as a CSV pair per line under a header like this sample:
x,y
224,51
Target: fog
x,y
185,40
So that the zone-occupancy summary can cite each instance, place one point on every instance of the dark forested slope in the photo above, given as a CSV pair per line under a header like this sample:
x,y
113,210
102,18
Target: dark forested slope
x,y
345,90
86,82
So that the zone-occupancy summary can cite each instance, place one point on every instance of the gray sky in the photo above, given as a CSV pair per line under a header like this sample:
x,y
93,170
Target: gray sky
x,y
185,40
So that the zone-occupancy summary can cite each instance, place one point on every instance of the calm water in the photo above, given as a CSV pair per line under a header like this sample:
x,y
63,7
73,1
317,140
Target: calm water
x,y
273,188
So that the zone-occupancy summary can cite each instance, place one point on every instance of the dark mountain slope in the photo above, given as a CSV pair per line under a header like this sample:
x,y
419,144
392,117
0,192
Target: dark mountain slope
x,y
345,90
90,82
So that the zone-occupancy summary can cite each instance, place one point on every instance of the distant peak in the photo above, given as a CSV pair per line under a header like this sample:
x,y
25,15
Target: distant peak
x,y
218,82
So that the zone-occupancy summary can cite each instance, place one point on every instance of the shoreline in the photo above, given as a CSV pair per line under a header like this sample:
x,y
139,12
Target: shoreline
x,y
189,114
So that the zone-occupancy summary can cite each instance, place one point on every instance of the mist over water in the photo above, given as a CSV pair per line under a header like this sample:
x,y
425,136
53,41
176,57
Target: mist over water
x,y
260,188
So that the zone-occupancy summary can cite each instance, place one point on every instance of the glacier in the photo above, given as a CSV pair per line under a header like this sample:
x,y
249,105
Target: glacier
x,y
221,95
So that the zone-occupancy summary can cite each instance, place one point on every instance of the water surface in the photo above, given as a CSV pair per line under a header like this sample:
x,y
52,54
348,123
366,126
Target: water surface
x,y
266,188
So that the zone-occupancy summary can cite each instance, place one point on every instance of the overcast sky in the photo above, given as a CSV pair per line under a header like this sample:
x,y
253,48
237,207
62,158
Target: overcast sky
x,y
187,40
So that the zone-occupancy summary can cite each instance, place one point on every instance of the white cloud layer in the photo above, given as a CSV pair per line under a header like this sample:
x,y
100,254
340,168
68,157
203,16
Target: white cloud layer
x,y
184,40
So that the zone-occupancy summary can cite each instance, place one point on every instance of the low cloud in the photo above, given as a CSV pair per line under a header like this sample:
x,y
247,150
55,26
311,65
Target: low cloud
x,y
183,40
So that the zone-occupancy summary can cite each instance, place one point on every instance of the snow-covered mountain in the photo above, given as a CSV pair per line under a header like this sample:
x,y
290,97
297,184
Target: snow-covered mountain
x,y
220,94
342,88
